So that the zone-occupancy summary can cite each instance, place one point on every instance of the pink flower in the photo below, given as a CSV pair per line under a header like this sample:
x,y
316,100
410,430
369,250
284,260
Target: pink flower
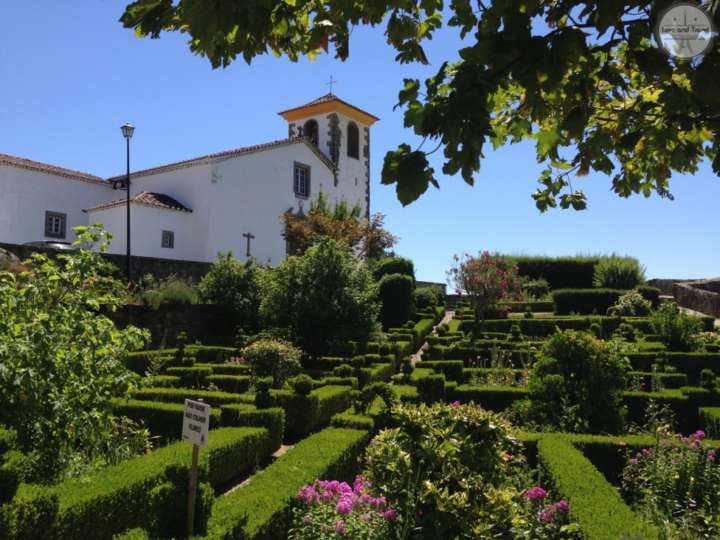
x,y
307,494
456,404
307,520
711,456
340,527
535,494
389,514
344,506
562,506
546,516
699,435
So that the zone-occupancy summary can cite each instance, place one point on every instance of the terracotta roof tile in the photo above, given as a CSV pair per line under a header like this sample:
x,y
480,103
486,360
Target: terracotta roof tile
x,y
148,198
50,169
219,156
326,99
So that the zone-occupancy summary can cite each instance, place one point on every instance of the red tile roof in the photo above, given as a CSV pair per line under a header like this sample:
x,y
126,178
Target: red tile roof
x,y
219,156
148,198
326,99
50,169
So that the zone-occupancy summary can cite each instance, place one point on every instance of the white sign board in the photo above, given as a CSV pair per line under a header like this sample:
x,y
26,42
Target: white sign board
x,y
196,422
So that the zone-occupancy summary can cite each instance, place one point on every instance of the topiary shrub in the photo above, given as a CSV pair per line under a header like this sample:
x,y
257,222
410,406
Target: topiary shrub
x,y
396,298
263,399
394,265
674,328
627,332
273,358
577,384
631,304
425,297
302,384
343,370
616,272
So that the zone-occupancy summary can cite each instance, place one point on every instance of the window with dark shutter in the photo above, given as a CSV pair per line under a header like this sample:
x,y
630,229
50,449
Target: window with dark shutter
x,y
55,224
353,141
168,239
301,180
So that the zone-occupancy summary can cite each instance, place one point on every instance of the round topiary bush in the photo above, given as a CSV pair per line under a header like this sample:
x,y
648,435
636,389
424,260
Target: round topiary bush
x,y
302,384
577,384
273,358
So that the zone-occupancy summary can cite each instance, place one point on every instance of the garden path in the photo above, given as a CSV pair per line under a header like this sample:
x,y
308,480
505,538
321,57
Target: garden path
x,y
417,357
244,479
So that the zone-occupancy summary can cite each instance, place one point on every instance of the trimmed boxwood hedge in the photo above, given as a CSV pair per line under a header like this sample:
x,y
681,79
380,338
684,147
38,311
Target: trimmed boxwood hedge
x,y
585,301
190,377
162,381
493,398
261,509
374,373
452,369
164,420
178,395
668,380
236,384
594,503
148,491
690,363
710,418
560,272
243,414
542,327
353,421
305,414
231,368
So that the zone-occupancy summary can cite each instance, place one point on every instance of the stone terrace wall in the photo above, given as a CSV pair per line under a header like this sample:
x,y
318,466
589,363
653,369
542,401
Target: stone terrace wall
x,y
202,322
160,268
701,295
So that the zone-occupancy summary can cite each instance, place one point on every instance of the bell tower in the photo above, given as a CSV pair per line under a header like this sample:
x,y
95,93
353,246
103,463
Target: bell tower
x,y
342,133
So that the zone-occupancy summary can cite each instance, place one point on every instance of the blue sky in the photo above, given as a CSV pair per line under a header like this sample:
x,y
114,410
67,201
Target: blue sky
x,y
70,75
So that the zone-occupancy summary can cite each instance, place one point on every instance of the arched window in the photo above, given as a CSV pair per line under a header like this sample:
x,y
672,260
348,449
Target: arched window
x,y
310,130
353,141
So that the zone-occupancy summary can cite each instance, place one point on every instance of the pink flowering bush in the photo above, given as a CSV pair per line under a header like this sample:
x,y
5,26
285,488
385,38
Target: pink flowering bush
x,y
674,484
486,280
546,519
332,509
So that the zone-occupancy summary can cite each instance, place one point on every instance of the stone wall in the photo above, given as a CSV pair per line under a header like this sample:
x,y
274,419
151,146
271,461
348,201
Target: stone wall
x,y
160,268
202,322
431,284
666,285
702,295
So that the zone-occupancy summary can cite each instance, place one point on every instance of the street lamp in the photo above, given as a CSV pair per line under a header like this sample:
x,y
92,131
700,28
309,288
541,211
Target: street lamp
x,y
127,131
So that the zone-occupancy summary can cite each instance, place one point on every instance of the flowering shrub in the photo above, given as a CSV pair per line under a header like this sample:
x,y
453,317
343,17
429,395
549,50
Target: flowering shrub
x,y
332,509
676,329
631,304
674,484
546,519
486,280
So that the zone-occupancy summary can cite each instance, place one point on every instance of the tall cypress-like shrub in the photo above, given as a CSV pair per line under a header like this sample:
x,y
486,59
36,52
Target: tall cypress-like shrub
x,y
396,298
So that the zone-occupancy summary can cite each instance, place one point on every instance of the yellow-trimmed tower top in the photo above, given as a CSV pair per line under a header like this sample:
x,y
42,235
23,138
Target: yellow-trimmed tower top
x,y
325,104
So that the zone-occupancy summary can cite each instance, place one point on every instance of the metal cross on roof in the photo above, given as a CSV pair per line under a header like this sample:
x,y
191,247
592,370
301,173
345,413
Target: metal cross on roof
x,y
330,83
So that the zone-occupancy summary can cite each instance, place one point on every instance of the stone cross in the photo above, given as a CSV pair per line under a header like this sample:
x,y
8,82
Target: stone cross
x,y
249,237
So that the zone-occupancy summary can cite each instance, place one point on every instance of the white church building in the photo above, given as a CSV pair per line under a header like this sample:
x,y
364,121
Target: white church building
x,y
193,209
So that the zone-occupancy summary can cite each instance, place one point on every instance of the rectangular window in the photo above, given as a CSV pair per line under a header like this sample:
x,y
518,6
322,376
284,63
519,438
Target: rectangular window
x,y
55,224
301,180
168,239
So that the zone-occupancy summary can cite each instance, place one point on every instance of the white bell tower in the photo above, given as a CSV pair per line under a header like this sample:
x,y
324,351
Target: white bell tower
x,y
342,133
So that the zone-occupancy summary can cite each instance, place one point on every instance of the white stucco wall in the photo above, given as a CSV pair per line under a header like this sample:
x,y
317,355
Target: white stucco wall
x,y
250,193
146,226
25,196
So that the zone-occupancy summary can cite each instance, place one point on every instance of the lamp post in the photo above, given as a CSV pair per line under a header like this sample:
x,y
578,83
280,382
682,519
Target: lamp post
x,y
127,131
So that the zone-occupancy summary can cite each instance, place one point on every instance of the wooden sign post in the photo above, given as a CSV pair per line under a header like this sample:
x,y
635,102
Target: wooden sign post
x,y
196,424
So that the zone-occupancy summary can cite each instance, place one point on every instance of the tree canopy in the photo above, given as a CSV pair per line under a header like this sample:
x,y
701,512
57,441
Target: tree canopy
x,y
365,237
583,78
